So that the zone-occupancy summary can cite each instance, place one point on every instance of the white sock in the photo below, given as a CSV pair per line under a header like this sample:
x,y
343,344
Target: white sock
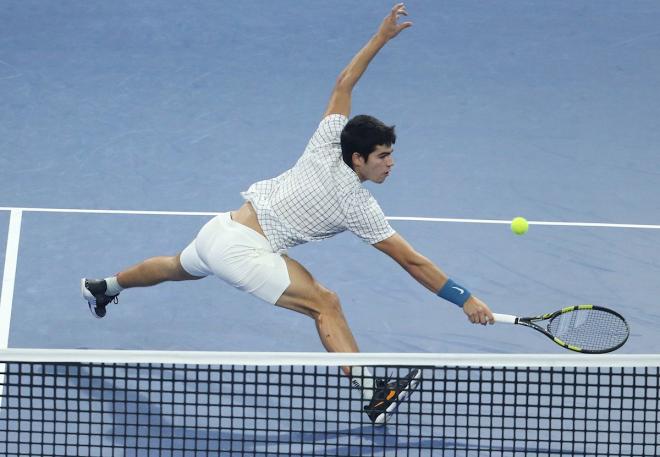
x,y
113,287
362,378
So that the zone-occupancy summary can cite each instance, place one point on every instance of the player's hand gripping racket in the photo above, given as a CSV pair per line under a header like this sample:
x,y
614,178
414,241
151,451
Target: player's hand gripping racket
x,y
582,328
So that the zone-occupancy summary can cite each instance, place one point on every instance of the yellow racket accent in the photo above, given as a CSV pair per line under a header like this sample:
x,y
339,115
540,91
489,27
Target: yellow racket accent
x,y
566,345
572,308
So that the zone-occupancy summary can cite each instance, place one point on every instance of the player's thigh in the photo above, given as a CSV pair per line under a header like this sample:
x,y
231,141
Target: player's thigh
x,y
305,294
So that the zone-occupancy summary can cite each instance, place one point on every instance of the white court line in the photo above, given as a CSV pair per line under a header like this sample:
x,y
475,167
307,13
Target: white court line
x,y
11,258
8,279
112,211
391,218
499,221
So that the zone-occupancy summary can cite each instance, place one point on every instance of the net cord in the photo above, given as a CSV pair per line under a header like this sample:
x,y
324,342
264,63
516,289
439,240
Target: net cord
x,y
328,359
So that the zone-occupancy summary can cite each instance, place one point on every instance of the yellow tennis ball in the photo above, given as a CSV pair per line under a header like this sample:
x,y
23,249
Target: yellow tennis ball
x,y
519,225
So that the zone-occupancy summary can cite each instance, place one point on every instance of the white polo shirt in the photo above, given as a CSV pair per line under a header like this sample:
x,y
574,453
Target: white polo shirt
x,y
317,198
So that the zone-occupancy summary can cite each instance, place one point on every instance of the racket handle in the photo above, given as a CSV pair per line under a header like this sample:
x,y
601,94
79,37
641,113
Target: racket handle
x,y
505,318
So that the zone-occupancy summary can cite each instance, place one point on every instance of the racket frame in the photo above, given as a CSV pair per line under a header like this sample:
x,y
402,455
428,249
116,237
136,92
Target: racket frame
x,y
531,323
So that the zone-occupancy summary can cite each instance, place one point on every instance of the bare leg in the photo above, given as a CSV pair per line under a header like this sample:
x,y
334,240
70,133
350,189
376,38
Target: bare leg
x,y
154,271
309,297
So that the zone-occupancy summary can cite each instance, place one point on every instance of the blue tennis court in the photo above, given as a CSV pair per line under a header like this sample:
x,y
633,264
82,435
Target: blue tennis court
x,y
124,126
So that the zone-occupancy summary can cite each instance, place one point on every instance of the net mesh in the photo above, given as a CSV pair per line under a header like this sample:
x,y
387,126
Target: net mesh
x,y
193,409
590,329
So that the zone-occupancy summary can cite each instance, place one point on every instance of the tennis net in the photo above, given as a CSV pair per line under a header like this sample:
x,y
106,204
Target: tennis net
x,y
141,403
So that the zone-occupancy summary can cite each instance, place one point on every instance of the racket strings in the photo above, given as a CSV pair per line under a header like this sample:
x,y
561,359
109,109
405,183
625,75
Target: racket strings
x,y
589,329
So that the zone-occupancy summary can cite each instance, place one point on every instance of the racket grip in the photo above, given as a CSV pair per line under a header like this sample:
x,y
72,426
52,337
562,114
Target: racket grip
x,y
505,318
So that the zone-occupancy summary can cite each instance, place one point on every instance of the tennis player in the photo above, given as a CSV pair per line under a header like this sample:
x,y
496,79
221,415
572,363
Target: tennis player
x,y
322,195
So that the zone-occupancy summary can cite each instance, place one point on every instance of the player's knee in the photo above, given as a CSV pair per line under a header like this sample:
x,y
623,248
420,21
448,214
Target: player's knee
x,y
330,303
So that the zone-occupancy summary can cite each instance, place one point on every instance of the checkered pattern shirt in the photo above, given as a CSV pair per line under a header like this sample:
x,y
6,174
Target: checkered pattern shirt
x,y
319,197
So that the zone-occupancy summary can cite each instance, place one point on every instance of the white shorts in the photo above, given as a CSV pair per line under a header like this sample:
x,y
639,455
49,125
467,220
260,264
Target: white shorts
x,y
238,255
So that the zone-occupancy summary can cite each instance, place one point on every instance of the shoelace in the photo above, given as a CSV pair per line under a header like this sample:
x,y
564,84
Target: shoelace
x,y
383,385
382,382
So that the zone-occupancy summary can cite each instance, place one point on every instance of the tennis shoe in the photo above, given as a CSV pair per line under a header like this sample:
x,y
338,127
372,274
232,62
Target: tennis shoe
x,y
93,290
389,394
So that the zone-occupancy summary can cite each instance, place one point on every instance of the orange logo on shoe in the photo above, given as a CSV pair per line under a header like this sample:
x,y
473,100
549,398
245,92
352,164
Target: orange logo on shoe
x,y
391,395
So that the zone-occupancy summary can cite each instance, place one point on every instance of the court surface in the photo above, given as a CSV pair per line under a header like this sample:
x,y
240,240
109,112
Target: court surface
x,y
541,109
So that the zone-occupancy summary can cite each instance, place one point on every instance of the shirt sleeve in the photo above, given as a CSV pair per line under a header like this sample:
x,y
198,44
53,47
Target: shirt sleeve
x,y
367,220
328,131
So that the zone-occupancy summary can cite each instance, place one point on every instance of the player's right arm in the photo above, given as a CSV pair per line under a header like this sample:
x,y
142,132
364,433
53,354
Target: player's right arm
x,y
429,275
340,99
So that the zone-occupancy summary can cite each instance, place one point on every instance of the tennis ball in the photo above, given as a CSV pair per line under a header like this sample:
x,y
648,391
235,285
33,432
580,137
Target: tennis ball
x,y
519,225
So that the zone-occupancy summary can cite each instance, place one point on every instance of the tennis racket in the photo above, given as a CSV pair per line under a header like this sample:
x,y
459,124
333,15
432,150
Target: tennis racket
x,y
583,328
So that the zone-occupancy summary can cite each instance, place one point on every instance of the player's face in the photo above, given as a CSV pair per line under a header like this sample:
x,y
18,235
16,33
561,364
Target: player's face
x,y
378,167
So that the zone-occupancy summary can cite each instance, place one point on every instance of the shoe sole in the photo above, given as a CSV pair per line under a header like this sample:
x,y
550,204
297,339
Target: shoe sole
x,y
91,300
389,412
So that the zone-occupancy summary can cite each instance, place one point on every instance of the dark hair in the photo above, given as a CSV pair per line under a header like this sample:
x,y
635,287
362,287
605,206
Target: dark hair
x,y
362,134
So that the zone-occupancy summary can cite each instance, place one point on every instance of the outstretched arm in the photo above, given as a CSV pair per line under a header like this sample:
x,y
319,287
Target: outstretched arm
x,y
340,100
429,275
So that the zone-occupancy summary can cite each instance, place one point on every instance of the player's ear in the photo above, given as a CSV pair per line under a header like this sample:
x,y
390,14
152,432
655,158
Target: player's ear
x,y
357,159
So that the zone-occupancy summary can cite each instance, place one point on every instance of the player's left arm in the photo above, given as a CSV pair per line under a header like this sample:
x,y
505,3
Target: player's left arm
x,y
340,99
429,275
